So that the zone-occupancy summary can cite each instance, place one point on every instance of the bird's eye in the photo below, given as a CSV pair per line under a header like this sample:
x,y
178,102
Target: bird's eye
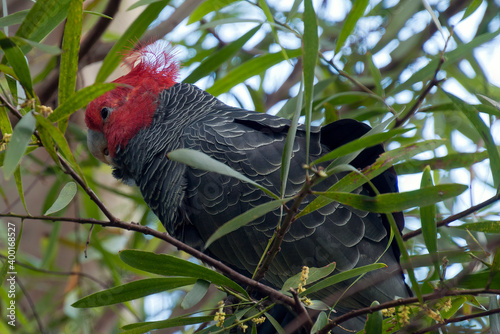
x,y
105,112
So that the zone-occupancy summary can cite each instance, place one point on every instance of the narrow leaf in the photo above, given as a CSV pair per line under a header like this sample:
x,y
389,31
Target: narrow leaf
x,y
394,202
428,219
244,218
79,100
207,7
128,38
471,8
472,114
212,62
315,274
360,144
18,61
70,48
290,141
376,75
168,265
276,324
254,66
49,49
61,142
14,18
141,3
43,17
143,327
343,276
132,290
321,322
18,143
203,161
452,57
492,226
374,323
65,197
196,294
310,56
354,180
357,11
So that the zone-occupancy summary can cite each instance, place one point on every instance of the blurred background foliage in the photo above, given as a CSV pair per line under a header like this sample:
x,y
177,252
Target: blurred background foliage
x,y
433,63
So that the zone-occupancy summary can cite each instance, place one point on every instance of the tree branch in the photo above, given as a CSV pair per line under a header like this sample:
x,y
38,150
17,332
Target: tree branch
x,y
457,216
230,273
406,301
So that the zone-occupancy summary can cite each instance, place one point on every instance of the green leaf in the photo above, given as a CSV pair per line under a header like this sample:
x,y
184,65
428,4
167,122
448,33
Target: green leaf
x,y
196,294
43,17
65,197
452,57
91,12
275,323
428,220
141,3
320,322
471,8
289,142
49,49
354,180
18,143
244,219
394,202
126,40
70,48
343,276
360,144
357,11
19,186
132,290
203,161
374,323
376,75
491,226
143,327
61,142
14,18
212,62
18,61
315,274
473,115
450,161
254,66
79,100
310,56
168,265
207,7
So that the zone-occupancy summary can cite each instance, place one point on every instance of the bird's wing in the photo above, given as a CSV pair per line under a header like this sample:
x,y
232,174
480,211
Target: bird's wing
x,y
253,144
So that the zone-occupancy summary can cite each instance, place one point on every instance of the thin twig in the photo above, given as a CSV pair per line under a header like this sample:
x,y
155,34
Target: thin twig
x,y
230,273
457,216
59,273
283,229
32,306
434,82
457,319
406,301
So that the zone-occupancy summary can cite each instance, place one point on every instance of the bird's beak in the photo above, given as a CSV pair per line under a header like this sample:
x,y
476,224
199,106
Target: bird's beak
x,y
98,146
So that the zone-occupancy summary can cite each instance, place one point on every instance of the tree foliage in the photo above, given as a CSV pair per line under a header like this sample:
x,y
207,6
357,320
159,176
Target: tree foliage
x,y
408,68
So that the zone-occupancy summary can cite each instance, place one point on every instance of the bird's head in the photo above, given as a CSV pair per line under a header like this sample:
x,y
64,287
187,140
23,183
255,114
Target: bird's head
x,y
116,117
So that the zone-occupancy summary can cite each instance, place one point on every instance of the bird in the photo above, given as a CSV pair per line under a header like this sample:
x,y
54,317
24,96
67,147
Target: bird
x,y
149,114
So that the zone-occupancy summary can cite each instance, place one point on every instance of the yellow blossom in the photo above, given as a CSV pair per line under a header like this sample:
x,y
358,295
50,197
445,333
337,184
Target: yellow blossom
x,y
220,316
4,141
259,321
404,315
388,312
46,111
243,327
